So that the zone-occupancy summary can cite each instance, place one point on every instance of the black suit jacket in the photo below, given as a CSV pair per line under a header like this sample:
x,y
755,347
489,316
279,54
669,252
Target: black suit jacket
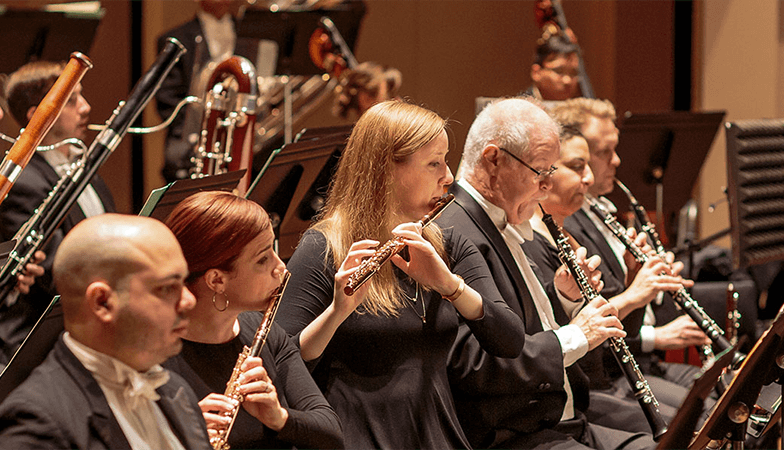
x,y
499,398
27,194
62,406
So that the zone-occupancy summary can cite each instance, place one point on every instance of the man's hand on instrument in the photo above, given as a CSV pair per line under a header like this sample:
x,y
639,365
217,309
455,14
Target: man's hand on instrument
x,y
567,285
32,271
598,321
678,334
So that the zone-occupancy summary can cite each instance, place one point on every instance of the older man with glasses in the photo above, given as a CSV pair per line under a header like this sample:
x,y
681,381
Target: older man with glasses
x,y
535,400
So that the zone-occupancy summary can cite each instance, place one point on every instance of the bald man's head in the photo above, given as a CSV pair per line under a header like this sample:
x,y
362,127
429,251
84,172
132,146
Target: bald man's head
x,y
121,281
108,247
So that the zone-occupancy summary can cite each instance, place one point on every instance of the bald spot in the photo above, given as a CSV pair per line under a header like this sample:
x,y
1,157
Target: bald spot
x,y
108,248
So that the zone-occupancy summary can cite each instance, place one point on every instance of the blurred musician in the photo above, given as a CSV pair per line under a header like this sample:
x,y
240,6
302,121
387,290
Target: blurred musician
x,y
364,86
227,242
538,399
25,89
595,119
214,28
555,71
570,183
381,355
31,270
102,386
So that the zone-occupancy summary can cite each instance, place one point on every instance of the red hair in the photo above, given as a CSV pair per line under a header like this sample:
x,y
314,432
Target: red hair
x,y
213,227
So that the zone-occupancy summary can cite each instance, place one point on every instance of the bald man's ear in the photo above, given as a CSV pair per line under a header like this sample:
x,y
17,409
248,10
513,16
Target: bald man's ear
x,y
30,113
216,280
102,301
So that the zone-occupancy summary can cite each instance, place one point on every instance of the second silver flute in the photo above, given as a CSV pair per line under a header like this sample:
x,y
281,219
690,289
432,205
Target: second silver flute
x,y
642,391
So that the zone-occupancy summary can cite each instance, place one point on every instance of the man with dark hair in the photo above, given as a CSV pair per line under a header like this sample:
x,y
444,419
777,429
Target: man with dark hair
x,y
124,304
24,90
555,70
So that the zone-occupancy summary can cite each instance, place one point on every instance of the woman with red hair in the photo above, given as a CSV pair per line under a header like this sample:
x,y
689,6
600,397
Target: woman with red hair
x,y
227,242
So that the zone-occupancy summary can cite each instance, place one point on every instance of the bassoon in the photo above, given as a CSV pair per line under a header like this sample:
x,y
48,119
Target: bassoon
x,y
41,121
55,207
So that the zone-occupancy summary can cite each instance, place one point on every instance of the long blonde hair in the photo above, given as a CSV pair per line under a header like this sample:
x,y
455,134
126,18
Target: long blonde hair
x,y
359,203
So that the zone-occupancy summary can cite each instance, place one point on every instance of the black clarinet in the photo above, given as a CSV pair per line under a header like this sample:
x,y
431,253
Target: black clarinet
x,y
681,296
39,228
624,357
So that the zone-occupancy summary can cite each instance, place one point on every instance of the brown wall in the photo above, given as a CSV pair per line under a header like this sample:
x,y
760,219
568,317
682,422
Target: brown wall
x,y
449,52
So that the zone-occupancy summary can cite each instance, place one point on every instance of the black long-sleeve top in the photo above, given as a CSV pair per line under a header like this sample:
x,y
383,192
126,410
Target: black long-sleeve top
x,y
386,376
312,422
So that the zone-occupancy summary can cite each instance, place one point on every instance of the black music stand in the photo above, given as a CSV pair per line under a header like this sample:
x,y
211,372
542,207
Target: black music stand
x,y
661,156
730,415
307,134
755,171
681,428
32,35
293,185
33,349
162,201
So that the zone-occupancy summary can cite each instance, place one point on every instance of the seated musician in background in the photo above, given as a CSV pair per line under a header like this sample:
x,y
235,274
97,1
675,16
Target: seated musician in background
x,y
570,183
25,89
555,70
124,303
595,119
364,86
227,242
214,28
537,399
381,355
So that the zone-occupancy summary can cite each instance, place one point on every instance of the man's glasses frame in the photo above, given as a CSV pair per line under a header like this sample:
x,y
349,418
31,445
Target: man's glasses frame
x,y
541,175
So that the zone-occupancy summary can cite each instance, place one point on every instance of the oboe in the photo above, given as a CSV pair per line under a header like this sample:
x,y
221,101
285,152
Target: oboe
x,y
624,357
392,247
681,296
221,441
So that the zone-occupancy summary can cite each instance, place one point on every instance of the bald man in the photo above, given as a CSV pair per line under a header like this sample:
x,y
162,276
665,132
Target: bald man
x,y
102,386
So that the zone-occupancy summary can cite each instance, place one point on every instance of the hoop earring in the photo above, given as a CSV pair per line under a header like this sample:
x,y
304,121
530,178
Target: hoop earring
x,y
215,305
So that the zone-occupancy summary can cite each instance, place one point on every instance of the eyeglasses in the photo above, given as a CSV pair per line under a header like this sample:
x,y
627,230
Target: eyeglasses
x,y
541,175
563,72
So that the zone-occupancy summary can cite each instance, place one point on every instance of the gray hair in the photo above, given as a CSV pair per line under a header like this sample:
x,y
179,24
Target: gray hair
x,y
509,123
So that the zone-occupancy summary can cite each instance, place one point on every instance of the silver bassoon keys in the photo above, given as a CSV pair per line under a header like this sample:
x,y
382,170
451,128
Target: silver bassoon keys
x,y
629,367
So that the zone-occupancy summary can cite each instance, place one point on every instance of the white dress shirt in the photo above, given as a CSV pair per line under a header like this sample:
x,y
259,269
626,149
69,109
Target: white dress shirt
x,y
131,396
219,33
89,201
574,344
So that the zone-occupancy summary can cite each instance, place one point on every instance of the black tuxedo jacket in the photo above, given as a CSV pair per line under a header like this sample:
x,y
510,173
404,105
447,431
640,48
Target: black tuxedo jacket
x,y
497,398
27,194
62,406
